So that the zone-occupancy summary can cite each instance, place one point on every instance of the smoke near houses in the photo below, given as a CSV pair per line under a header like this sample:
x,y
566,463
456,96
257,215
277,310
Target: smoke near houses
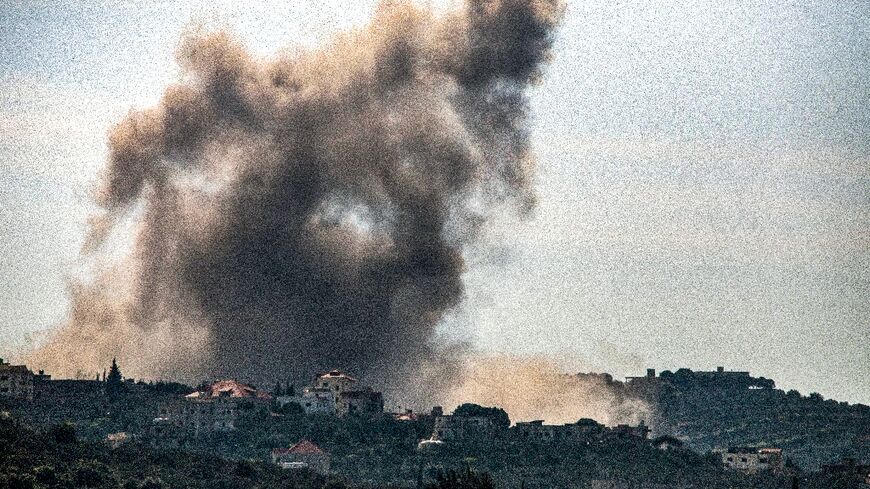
x,y
309,211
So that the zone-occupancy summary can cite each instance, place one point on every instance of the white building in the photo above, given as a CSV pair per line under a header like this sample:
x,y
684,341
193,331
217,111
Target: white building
x,y
335,392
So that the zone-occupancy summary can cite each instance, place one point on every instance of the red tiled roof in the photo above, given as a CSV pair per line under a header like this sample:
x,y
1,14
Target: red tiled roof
x,y
335,374
232,388
304,447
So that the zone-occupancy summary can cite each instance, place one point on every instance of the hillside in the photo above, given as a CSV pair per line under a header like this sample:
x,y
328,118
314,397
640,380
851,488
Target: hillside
x,y
711,410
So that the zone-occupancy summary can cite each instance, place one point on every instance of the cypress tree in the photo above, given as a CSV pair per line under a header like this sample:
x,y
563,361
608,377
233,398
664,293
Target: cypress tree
x,y
114,381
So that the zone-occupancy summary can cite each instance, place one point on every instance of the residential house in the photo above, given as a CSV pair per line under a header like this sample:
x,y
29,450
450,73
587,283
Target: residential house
x,y
304,454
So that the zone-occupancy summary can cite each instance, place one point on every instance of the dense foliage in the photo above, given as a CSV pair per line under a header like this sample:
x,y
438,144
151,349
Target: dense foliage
x,y
498,416
56,458
710,412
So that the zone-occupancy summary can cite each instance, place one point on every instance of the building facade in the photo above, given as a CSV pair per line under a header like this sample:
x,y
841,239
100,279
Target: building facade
x,y
16,381
359,402
314,400
213,409
753,460
462,428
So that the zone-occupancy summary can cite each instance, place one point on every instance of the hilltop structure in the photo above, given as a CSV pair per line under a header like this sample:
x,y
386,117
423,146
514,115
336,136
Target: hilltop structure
x,y
584,430
16,381
336,392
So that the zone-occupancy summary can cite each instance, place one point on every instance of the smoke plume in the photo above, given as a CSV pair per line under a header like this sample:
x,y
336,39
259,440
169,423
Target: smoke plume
x,y
308,211
531,388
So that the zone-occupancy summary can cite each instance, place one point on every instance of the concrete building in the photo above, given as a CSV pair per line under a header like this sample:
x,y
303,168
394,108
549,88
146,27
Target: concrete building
x,y
365,401
336,381
753,460
213,409
303,455
314,400
336,392
16,381
462,428
197,417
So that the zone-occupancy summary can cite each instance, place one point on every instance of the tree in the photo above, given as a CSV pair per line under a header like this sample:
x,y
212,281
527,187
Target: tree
x,y
64,433
114,381
498,415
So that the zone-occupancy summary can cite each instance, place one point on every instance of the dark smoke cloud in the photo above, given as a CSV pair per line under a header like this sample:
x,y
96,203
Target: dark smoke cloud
x,y
310,211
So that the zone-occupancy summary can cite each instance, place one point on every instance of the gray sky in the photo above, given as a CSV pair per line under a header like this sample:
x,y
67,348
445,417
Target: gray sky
x,y
704,178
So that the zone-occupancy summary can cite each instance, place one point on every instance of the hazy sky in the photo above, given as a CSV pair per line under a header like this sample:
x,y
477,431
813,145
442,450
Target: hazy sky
x,y
704,178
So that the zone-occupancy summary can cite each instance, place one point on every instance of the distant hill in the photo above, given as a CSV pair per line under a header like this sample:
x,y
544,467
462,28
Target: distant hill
x,y
721,408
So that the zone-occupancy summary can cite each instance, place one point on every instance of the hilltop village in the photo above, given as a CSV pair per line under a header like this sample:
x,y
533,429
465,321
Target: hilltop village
x,y
337,425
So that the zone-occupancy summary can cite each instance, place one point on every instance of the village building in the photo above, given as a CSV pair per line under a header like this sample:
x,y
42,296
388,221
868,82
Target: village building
x,y
303,455
408,415
365,401
584,429
16,381
213,409
625,430
336,381
449,428
753,460
336,392
314,400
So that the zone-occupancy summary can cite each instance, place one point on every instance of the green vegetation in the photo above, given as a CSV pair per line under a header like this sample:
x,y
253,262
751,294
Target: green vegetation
x,y
709,412
498,416
56,458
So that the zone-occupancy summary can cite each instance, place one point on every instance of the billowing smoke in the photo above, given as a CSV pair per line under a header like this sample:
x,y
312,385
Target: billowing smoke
x,y
308,211
530,388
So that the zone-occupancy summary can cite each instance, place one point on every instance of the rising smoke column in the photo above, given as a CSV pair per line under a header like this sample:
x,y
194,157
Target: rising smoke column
x,y
309,211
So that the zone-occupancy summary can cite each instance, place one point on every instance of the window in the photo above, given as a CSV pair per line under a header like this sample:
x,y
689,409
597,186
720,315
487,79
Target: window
x,y
4,389
743,459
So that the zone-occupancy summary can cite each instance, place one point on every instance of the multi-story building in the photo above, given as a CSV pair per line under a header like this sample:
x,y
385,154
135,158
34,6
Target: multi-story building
x,y
16,381
213,409
336,392
314,400
336,381
753,460
365,401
